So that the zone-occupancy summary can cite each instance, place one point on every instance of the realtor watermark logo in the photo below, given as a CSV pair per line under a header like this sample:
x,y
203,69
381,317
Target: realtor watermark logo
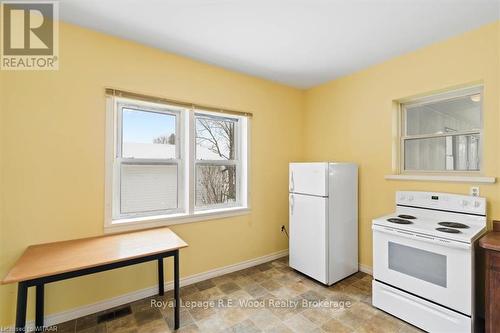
x,y
30,35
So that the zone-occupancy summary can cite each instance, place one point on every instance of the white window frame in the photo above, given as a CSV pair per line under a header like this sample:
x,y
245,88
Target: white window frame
x,y
402,131
119,160
186,160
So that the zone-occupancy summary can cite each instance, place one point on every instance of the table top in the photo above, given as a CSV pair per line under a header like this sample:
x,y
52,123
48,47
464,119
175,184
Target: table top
x,y
66,256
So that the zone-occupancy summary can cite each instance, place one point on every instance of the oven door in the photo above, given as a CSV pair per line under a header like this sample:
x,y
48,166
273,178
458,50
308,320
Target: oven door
x,y
424,266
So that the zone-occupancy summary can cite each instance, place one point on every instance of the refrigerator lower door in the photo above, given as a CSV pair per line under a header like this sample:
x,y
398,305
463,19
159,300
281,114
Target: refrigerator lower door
x,y
308,223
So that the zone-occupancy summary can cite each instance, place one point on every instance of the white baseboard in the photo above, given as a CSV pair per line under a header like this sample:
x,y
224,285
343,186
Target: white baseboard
x,y
365,269
85,310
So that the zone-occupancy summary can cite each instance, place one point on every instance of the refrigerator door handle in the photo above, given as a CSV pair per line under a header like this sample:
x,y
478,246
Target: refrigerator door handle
x,y
292,203
292,183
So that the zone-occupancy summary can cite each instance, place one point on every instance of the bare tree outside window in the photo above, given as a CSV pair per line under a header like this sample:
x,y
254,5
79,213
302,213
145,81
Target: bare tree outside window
x,y
215,141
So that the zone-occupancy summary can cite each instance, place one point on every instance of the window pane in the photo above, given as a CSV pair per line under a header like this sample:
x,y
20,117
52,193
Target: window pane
x,y
459,114
148,134
215,185
215,138
420,264
459,152
148,188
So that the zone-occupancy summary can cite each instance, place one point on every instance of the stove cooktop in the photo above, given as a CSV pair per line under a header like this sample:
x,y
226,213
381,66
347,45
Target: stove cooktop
x,y
459,227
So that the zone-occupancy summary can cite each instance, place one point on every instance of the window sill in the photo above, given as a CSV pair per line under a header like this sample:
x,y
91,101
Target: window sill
x,y
166,220
437,178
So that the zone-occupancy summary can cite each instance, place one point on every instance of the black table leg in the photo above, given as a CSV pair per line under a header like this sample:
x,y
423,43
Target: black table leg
x,y
161,282
22,295
39,283
177,308
39,307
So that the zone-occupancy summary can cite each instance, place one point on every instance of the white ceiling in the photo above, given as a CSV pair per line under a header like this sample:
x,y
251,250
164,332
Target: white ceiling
x,y
301,43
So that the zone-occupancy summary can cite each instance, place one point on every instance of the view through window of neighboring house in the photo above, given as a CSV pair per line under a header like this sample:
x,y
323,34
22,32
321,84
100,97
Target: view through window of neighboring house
x,y
176,160
216,161
443,133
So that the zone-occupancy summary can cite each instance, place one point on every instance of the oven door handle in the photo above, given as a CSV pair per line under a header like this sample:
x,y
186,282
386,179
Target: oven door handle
x,y
422,238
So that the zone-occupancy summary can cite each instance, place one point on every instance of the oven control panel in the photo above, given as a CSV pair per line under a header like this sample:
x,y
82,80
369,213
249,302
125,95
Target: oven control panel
x,y
442,201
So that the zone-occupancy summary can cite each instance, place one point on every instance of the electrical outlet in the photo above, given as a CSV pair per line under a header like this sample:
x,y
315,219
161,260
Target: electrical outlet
x,y
474,191
283,230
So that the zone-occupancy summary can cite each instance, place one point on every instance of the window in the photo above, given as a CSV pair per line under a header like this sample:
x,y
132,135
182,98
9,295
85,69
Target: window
x,y
217,164
148,165
442,133
173,163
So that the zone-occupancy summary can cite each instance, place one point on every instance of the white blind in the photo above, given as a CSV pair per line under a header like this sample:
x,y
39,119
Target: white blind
x,y
148,188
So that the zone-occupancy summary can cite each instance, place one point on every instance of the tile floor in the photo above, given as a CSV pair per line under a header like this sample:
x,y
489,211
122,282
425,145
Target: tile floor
x,y
266,298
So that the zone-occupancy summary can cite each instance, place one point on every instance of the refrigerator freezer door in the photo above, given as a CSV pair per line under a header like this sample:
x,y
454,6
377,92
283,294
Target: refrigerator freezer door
x,y
308,216
309,178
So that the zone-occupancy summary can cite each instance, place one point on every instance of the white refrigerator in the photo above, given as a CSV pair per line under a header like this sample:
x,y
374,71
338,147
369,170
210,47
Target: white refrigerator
x,y
323,220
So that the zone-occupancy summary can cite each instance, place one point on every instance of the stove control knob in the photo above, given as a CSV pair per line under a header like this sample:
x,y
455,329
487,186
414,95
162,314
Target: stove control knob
x,y
477,204
465,203
410,198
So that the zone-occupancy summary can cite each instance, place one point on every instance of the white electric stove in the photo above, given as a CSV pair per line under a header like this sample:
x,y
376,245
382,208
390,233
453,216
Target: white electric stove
x,y
423,259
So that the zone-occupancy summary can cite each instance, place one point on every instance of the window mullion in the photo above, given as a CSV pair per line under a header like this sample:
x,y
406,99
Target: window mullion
x,y
192,161
149,161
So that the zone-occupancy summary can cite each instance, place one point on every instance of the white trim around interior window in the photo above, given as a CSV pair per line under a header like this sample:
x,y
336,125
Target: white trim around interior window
x,y
444,178
403,136
399,136
185,161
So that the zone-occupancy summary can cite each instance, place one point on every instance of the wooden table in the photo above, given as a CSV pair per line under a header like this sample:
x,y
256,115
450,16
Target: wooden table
x,y
51,262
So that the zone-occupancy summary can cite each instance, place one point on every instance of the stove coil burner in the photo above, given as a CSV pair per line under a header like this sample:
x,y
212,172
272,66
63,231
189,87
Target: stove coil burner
x,y
448,230
454,225
407,217
399,221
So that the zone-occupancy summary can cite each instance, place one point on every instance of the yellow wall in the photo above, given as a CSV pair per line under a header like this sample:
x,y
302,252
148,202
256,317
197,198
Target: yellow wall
x,y
3,259
350,119
52,146
53,159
